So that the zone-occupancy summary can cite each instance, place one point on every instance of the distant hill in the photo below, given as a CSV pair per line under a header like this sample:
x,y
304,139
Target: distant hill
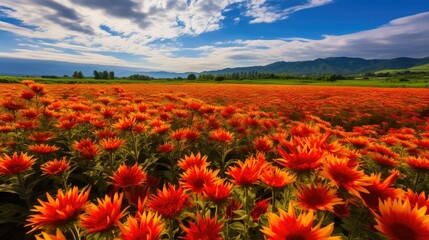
x,y
333,65
420,68
23,67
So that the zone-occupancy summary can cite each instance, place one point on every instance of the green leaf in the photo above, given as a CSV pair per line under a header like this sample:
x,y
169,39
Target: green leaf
x,y
12,213
10,188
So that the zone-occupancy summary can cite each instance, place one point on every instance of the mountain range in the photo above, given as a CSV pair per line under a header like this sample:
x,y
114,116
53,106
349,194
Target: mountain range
x,y
332,65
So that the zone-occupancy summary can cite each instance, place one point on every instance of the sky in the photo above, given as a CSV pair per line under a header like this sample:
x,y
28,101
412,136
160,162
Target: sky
x,y
198,35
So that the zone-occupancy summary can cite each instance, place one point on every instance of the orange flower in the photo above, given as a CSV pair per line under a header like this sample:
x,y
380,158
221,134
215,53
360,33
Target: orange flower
x,y
55,167
193,160
103,216
148,227
125,124
206,228
263,144
287,226
15,164
317,198
129,176
27,95
86,148
42,148
377,190
419,200
195,178
111,144
247,172
12,105
58,212
41,136
169,202
221,135
276,178
418,163
339,173
398,221
218,191
58,236
302,157
384,160
166,147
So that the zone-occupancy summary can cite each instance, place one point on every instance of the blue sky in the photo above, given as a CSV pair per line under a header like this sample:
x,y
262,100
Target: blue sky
x,y
197,35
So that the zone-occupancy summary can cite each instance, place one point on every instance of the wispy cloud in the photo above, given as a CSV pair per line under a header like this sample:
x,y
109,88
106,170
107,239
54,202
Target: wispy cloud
x,y
264,11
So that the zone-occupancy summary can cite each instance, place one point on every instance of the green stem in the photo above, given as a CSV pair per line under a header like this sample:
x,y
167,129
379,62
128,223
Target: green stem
x,y
135,146
246,209
75,232
170,229
23,189
273,200
416,180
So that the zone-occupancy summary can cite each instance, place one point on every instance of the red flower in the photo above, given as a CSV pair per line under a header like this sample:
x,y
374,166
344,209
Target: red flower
x,y
217,191
86,148
129,176
247,172
193,161
276,178
206,228
55,167
317,198
260,208
15,164
195,178
42,148
58,212
263,144
169,202
148,227
41,136
103,216
297,228
166,147
221,135
111,144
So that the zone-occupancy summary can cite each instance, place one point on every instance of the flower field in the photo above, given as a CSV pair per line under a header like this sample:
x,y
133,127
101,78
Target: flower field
x,y
213,161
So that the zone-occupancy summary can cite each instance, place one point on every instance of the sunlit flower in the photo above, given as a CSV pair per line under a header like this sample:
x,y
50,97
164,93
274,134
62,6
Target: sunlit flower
x,y
247,172
125,124
263,144
103,216
169,201
42,148
398,220
206,228
193,161
288,226
111,144
218,191
317,198
340,174
148,227
419,163
60,211
46,236
195,178
419,200
221,135
129,176
55,167
15,164
301,158
276,178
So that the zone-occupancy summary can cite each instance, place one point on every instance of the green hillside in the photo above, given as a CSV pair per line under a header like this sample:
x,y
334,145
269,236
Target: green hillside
x,y
420,68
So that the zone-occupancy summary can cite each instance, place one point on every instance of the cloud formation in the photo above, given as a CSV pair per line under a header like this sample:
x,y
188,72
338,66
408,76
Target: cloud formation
x,y
149,33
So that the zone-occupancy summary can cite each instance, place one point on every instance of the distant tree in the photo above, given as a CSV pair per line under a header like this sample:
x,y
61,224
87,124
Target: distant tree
x,y
219,78
66,76
192,77
111,75
96,75
80,75
75,74
105,75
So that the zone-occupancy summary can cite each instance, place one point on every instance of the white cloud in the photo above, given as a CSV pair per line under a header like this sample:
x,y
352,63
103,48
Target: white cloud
x,y
262,11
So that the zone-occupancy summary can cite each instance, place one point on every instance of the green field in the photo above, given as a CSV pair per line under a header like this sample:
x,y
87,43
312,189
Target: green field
x,y
416,82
